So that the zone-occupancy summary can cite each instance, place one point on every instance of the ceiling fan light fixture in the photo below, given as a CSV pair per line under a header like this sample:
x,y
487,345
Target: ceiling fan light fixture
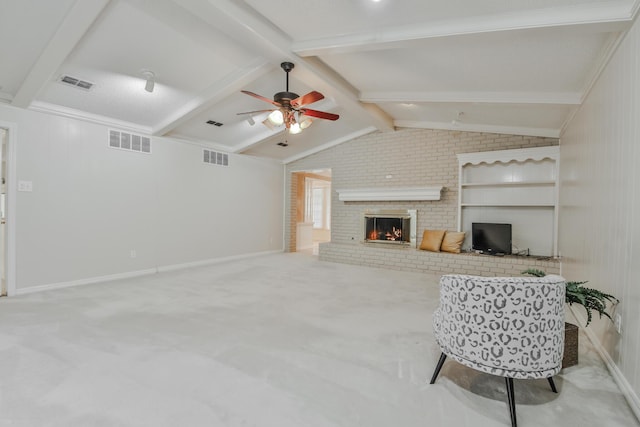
x,y
289,104
276,118
295,128
305,122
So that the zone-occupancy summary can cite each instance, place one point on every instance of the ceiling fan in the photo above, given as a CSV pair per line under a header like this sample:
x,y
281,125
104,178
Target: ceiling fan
x,y
289,105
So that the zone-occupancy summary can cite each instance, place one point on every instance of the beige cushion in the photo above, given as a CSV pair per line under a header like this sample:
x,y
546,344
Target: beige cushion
x,y
431,240
452,242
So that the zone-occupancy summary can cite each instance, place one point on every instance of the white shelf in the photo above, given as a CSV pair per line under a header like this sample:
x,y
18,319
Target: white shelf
x,y
508,205
508,184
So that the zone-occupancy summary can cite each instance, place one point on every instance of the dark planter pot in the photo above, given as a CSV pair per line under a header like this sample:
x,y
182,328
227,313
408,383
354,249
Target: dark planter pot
x,y
570,357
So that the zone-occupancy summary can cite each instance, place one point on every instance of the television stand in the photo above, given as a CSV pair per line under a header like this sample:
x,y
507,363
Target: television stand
x,y
490,253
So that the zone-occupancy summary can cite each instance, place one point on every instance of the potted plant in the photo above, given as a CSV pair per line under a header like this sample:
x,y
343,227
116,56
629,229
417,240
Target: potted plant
x,y
590,299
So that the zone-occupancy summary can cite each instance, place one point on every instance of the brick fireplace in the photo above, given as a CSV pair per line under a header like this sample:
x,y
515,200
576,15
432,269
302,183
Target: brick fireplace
x,y
405,158
391,227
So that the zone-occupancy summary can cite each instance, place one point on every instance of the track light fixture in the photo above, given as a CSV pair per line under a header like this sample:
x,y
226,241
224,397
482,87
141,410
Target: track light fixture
x,y
151,80
458,119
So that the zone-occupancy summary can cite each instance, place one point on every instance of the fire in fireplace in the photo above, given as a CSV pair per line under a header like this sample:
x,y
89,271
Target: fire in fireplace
x,y
394,227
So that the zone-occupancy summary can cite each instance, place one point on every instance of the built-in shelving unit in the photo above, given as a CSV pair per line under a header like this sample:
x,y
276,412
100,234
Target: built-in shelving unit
x,y
518,187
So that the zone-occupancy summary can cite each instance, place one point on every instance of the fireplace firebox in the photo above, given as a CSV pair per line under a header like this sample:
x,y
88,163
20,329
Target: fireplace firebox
x,y
397,227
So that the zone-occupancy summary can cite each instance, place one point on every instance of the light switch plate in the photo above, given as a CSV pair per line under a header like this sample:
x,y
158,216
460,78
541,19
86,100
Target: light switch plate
x,y
25,186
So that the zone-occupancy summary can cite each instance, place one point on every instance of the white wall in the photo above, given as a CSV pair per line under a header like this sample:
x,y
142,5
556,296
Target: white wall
x,y
91,205
599,227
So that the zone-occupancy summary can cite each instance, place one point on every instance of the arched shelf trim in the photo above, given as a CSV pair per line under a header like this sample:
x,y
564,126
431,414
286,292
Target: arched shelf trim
x,y
507,156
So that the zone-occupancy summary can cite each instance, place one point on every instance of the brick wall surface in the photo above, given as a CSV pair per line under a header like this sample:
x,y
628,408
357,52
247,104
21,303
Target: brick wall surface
x,y
413,158
409,259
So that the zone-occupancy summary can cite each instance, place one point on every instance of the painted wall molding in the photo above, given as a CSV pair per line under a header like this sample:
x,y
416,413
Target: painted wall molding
x,y
389,194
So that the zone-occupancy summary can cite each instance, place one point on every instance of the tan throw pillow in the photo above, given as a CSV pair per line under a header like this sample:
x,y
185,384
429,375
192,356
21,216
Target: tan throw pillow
x,y
431,240
452,242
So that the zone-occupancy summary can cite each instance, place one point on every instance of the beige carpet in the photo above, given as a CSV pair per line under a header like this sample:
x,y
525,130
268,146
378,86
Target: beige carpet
x,y
282,340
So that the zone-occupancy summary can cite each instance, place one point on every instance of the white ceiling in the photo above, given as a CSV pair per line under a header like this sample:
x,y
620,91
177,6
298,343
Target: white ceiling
x,y
499,66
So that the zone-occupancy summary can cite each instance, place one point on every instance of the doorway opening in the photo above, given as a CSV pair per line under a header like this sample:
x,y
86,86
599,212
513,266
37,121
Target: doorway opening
x,y
8,132
313,210
3,216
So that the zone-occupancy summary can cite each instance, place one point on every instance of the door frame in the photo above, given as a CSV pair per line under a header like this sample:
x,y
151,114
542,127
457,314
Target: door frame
x,y
10,200
297,200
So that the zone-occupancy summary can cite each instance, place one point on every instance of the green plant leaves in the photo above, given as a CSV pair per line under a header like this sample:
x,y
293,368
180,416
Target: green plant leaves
x,y
590,299
534,272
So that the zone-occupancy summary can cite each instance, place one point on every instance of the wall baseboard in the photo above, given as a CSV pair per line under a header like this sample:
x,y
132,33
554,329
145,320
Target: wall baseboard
x,y
89,281
212,261
131,274
618,376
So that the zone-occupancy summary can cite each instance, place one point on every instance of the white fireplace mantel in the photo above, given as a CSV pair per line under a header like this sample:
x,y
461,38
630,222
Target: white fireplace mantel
x,y
389,194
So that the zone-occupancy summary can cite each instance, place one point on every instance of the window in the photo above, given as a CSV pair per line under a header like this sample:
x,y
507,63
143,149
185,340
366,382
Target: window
x,y
318,203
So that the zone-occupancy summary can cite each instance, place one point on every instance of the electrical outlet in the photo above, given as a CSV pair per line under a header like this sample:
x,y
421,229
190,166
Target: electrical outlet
x,y
617,321
133,253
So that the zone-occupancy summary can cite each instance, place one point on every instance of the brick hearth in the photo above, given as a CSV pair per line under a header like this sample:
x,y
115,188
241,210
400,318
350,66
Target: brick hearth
x,y
408,259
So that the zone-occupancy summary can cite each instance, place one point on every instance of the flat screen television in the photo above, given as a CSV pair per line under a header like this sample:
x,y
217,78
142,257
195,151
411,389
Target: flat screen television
x,y
491,238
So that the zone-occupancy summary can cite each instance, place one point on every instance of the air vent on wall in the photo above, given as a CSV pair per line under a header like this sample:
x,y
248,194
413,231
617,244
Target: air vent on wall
x,y
72,81
129,141
215,158
213,122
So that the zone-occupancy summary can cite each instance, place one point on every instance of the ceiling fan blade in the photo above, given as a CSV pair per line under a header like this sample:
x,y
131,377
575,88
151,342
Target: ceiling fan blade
x,y
309,98
319,114
255,95
254,112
